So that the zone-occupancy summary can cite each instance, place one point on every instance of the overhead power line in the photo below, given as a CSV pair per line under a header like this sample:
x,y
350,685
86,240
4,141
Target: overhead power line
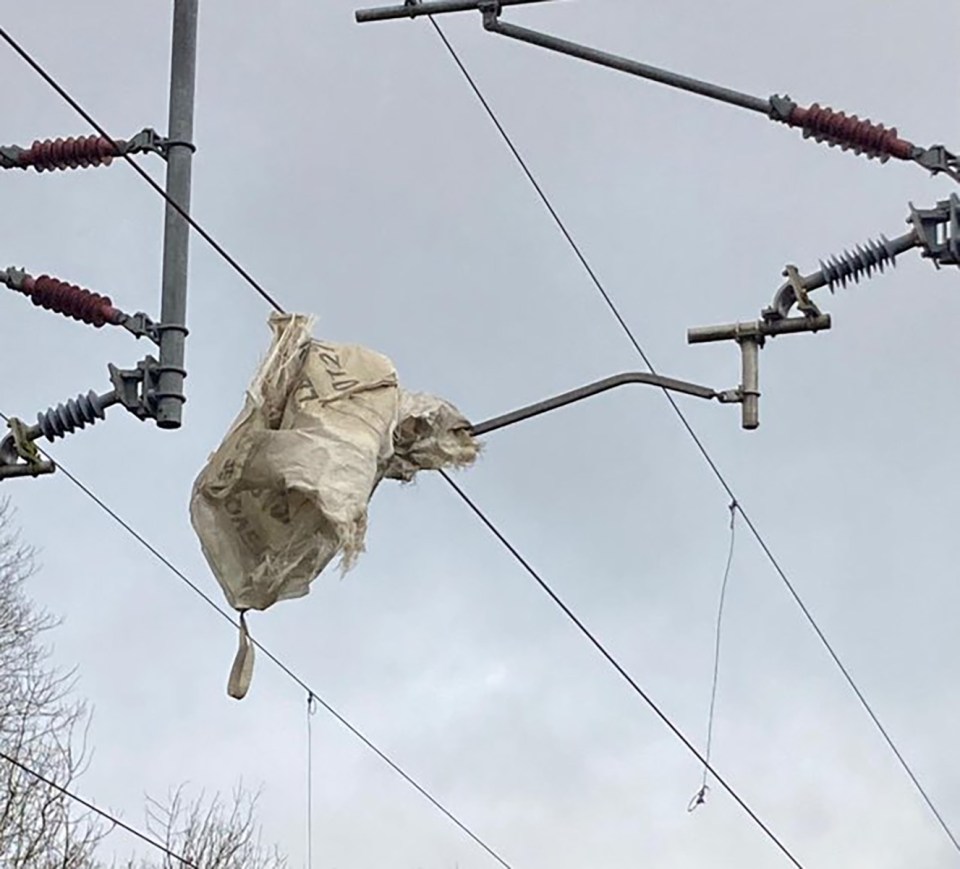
x,y
698,442
113,819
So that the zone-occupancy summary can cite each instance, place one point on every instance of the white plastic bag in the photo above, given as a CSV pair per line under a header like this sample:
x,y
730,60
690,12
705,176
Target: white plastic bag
x,y
288,488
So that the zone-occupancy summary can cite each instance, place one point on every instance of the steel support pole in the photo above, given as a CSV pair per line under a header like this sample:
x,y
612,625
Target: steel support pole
x,y
176,234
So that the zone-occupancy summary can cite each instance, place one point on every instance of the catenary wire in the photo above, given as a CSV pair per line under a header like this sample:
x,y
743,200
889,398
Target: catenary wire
x,y
698,442
183,861
166,562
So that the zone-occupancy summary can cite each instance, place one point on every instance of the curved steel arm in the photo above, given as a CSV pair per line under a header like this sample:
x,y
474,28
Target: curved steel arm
x,y
592,389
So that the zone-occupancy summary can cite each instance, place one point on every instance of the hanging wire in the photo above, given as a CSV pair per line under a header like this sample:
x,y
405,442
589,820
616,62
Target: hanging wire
x,y
608,656
700,797
311,711
698,443
113,819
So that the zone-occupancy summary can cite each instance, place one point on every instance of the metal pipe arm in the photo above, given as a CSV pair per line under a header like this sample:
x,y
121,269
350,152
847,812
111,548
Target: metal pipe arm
x,y
592,389
552,43
430,7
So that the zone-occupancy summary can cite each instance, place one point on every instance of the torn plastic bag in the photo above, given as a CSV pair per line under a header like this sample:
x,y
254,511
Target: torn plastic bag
x,y
287,490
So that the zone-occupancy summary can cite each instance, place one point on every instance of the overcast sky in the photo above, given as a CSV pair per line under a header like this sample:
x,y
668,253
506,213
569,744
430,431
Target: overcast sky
x,y
351,170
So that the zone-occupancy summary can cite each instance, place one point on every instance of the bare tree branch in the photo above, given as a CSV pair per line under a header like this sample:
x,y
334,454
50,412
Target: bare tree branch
x,y
39,724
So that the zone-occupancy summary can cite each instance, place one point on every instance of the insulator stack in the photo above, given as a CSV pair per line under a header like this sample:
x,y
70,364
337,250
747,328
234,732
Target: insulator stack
x,y
70,300
68,417
850,133
72,153
864,260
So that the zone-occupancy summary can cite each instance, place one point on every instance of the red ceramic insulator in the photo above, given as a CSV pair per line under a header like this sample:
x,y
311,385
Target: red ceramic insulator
x,y
71,301
862,136
70,153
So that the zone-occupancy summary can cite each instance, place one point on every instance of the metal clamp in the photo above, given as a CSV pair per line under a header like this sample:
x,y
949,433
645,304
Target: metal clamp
x,y
136,388
19,455
149,140
807,307
751,336
937,159
141,326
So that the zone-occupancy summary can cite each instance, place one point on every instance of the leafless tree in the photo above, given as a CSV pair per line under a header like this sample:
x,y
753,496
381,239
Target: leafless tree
x,y
211,834
41,726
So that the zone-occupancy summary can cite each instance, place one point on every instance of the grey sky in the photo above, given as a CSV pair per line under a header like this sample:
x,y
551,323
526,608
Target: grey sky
x,y
354,174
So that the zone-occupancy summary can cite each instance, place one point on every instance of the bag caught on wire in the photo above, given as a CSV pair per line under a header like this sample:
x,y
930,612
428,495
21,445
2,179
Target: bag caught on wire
x,y
287,490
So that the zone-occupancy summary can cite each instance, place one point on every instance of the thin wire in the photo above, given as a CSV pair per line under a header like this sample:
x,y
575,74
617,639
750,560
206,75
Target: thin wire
x,y
701,795
284,668
209,239
493,529
701,447
97,810
311,709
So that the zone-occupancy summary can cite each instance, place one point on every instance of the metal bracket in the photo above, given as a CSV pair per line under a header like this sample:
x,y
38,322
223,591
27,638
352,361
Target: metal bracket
x,y
9,157
938,231
937,159
141,326
807,307
751,336
19,455
150,140
147,140
136,388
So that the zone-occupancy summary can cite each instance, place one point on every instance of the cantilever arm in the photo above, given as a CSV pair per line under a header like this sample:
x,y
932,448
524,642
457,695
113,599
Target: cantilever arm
x,y
430,7
596,388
